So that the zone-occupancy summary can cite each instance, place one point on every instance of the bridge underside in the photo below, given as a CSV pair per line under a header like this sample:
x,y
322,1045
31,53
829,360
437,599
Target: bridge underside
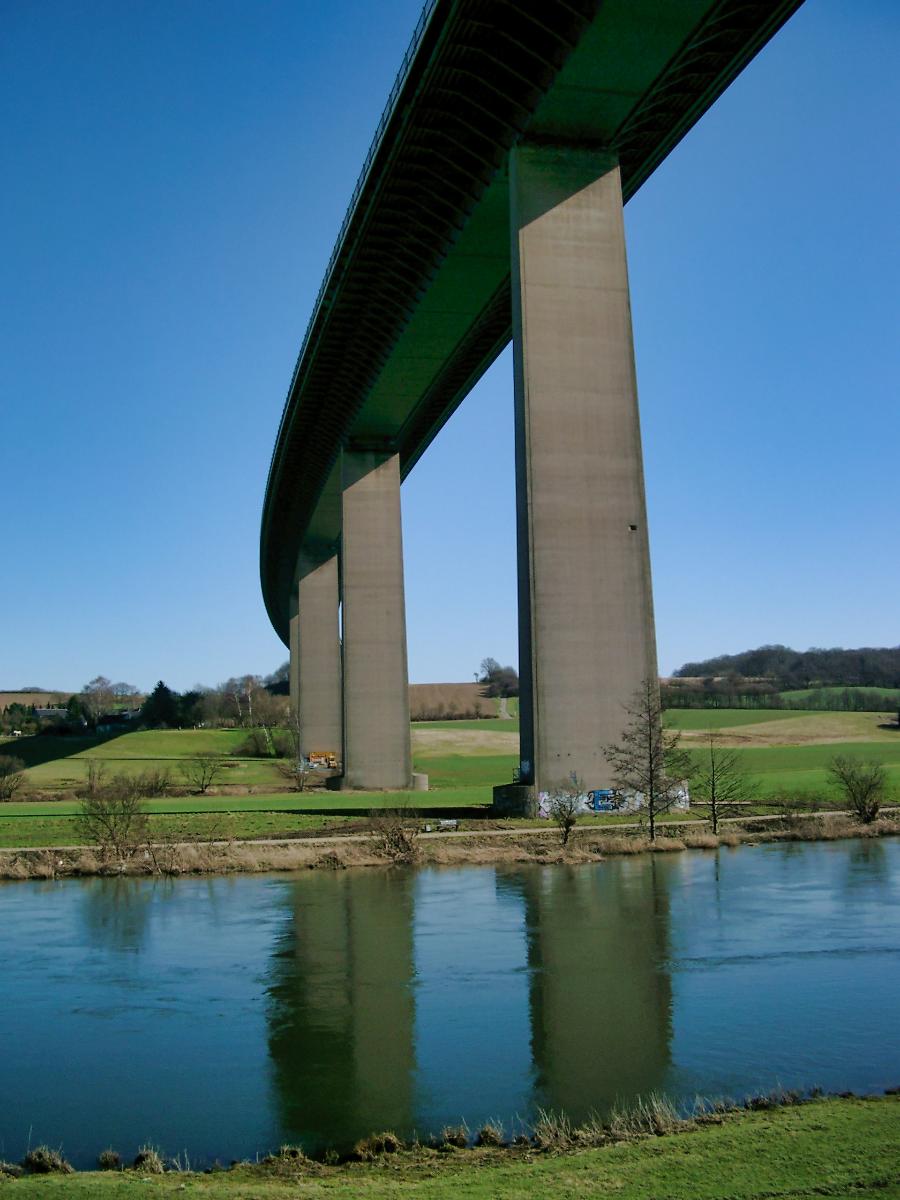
x,y
502,106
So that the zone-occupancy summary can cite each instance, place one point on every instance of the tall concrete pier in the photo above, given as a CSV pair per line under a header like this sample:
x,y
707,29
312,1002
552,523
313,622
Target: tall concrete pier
x,y
320,708
586,635
376,688
490,208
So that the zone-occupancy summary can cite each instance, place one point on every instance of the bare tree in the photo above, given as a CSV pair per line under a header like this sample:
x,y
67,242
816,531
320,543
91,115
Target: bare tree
x,y
296,770
98,696
295,767
720,784
863,784
115,821
565,803
649,762
396,833
11,775
202,770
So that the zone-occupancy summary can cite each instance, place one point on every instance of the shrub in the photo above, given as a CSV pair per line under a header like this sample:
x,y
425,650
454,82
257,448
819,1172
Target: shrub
x,y
455,1135
254,745
375,1145
109,1160
202,770
11,777
44,1161
149,1161
490,1134
862,783
396,835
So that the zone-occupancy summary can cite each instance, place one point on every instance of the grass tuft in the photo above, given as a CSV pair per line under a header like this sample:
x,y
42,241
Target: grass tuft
x,y
490,1134
149,1161
376,1144
44,1161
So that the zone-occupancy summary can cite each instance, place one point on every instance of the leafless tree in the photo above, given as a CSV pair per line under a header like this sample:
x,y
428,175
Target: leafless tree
x,y
565,802
98,696
396,834
115,821
202,770
648,761
863,784
11,775
720,784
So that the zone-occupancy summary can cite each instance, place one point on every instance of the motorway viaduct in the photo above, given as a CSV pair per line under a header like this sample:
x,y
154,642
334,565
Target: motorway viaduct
x,y
489,208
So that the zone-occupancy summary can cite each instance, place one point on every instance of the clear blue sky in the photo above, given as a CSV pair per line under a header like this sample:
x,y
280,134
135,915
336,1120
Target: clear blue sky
x,y
174,176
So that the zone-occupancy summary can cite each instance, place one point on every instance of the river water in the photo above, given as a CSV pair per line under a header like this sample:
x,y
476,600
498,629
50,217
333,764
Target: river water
x,y
223,1016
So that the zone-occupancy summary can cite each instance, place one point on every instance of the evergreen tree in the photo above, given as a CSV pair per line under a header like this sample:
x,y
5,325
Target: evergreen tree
x,y
161,707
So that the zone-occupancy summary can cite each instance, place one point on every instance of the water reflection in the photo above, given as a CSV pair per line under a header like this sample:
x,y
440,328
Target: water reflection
x,y
115,913
320,1007
389,1007
600,993
341,1006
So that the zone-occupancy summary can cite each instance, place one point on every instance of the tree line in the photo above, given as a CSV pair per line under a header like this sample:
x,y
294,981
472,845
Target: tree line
x,y
785,669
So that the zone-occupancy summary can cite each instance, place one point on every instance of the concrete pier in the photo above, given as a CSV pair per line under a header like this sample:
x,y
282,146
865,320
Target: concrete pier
x,y
294,661
319,660
376,691
586,631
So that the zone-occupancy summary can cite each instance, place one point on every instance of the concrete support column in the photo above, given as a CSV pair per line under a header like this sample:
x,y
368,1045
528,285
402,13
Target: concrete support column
x,y
376,688
586,631
319,659
294,665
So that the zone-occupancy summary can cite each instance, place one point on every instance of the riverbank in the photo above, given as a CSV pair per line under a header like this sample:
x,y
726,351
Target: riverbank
x,y
829,1147
383,848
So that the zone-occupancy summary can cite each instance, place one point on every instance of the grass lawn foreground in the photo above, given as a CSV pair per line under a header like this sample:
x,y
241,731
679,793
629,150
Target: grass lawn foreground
x,y
836,1148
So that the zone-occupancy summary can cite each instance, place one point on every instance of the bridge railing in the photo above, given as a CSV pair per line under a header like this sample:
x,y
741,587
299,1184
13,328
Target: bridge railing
x,y
400,79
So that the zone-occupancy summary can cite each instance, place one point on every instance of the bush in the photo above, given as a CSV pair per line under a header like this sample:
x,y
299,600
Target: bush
x,y
202,770
455,1135
149,1161
116,822
11,777
254,745
396,835
862,783
109,1160
44,1161
375,1145
490,1134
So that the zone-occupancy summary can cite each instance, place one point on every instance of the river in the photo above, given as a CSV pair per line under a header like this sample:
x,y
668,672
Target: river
x,y
221,1016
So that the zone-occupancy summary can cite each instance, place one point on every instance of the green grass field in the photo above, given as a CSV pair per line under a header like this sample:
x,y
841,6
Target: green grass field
x,y
831,1148
726,718
463,760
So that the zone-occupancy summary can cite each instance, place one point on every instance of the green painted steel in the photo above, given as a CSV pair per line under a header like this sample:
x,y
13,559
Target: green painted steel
x,y
415,304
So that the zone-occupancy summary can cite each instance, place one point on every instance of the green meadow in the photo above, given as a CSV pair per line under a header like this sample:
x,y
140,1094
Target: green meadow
x,y
784,751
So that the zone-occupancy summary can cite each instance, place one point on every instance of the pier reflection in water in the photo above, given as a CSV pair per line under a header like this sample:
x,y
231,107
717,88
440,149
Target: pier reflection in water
x,y
416,1001
223,1016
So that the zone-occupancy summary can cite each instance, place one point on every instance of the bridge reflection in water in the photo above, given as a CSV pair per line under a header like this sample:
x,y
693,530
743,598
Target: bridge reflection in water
x,y
407,1001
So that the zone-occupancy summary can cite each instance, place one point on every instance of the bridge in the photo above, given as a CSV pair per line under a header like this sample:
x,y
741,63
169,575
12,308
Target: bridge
x,y
489,208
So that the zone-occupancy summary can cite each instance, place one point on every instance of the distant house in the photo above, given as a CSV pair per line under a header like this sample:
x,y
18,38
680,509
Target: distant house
x,y
119,722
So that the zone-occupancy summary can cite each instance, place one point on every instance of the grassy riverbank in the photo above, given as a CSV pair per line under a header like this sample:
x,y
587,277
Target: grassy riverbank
x,y
784,751
834,1147
511,846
